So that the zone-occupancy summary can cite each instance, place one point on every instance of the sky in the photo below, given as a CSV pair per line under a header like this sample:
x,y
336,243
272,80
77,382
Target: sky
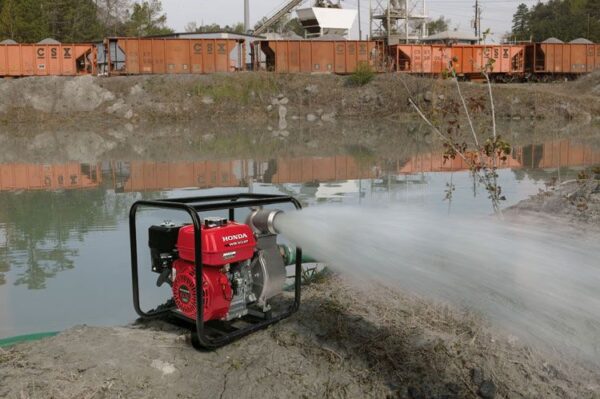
x,y
496,14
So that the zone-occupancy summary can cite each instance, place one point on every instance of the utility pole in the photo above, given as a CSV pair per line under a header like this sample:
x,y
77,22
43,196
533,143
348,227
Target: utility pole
x,y
359,23
406,20
247,15
477,21
588,27
370,19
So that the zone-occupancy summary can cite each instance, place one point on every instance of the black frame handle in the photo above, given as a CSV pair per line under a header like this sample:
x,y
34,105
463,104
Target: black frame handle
x,y
193,206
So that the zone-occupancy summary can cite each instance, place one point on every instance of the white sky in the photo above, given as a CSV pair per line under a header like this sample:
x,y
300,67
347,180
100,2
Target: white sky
x,y
496,14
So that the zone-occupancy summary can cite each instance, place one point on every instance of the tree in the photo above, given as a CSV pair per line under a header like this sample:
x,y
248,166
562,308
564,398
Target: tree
x,y
284,25
113,15
438,25
73,20
520,23
24,20
565,20
193,27
147,19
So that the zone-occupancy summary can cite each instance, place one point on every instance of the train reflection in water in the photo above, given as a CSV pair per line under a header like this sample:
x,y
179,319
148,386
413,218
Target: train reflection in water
x,y
143,176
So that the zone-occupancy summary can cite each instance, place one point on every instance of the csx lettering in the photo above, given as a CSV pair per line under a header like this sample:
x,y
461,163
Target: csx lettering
x,y
198,48
67,52
54,52
221,49
41,52
505,53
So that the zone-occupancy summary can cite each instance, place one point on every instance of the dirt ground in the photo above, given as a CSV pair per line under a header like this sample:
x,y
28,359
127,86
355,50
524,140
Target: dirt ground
x,y
264,97
345,342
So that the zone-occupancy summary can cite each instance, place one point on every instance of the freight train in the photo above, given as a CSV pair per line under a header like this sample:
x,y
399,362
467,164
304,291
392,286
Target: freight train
x,y
139,56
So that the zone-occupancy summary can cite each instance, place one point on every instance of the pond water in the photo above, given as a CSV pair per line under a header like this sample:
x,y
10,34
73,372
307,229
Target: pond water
x,y
64,249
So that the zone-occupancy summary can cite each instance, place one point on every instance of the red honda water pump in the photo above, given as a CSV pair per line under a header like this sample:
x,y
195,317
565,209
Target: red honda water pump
x,y
221,271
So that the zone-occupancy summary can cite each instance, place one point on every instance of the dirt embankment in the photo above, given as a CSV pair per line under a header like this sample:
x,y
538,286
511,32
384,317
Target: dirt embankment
x,y
576,202
263,97
344,342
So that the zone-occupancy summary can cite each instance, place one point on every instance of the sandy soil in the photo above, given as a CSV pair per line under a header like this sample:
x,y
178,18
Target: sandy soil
x,y
344,342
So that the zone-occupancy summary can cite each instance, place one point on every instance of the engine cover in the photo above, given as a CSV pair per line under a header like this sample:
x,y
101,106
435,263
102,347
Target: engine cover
x,y
227,243
225,247
217,291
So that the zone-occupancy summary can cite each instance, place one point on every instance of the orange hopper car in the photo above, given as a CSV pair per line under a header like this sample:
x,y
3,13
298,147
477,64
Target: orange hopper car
x,y
318,56
467,60
135,56
20,60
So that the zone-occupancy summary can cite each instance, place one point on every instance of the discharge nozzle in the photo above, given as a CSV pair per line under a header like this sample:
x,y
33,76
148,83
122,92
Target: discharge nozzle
x,y
263,220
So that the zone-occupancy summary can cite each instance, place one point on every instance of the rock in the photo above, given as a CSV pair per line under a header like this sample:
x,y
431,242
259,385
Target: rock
x,y
116,107
311,118
284,133
280,96
284,101
477,376
274,101
428,96
295,117
269,108
129,127
136,90
319,112
208,137
128,114
81,94
207,100
311,89
487,389
164,367
441,97
282,116
329,117
108,96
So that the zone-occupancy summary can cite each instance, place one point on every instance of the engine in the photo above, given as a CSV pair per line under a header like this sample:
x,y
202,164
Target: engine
x,y
243,267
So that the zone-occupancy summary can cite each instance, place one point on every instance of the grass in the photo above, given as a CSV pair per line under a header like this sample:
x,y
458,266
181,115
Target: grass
x,y
243,88
363,75
315,276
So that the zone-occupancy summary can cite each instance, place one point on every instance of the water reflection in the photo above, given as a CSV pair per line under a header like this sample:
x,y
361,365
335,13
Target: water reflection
x,y
40,229
47,210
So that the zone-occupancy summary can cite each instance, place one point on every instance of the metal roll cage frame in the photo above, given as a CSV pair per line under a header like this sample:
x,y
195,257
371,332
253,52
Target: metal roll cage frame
x,y
194,206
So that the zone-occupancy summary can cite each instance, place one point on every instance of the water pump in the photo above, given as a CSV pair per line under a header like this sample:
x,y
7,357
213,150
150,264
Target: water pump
x,y
221,271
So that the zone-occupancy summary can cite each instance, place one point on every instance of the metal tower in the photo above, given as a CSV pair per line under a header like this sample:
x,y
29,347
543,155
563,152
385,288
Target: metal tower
x,y
398,21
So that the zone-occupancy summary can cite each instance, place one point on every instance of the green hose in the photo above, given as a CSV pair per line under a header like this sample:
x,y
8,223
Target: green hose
x,y
289,255
26,338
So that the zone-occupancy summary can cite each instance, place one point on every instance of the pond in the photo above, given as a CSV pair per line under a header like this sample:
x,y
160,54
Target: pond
x,y
64,249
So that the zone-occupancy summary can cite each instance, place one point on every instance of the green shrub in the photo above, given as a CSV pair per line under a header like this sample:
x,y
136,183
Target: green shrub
x,y
363,75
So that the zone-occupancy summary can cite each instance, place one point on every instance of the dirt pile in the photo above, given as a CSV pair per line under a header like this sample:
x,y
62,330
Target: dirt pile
x,y
575,201
344,342
264,97
589,84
